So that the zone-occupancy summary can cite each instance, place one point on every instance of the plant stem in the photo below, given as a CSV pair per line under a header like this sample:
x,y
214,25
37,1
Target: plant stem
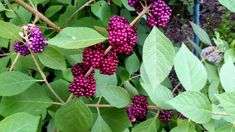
x,y
37,13
83,6
45,79
97,108
14,62
150,107
220,113
143,12
69,98
5,54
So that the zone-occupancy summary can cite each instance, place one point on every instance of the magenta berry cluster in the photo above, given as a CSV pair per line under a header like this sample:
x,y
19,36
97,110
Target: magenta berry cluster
x,y
82,85
32,39
138,110
165,115
95,57
160,14
181,116
122,36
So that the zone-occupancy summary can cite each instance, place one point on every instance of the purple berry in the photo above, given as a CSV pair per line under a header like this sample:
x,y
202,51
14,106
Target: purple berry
x,y
122,36
109,64
93,56
83,86
181,116
165,115
33,40
138,110
80,69
160,14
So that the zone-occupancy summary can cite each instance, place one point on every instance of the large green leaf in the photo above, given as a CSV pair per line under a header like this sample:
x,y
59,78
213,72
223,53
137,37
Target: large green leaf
x,y
102,81
52,10
13,83
76,37
61,88
33,101
193,105
102,10
203,36
158,56
190,70
74,116
184,126
227,76
116,96
230,4
52,58
117,119
149,125
20,122
9,30
100,126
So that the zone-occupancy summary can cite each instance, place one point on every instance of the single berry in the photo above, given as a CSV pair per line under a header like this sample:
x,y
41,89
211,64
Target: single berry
x,y
160,14
122,36
33,40
80,69
83,86
109,64
165,115
93,56
138,110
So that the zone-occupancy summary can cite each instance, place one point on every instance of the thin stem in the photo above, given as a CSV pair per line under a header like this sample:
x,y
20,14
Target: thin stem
x,y
220,113
97,108
14,62
174,89
133,77
107,50
89,71
37,13
67,20
5,54
150,107
40,80
45,79
69,98
143,12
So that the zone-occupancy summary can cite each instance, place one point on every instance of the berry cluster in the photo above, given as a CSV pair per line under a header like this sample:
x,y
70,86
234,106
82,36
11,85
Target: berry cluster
x,y
165,115
82,85
94,57
159,12
181,116
138,110
122,36
33,40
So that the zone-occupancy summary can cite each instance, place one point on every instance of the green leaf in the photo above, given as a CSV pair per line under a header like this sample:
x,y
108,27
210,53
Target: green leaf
x,y
61,88
52,10
116,96
33,101
117,2
3,63
100,126
52,58
158,56
74,116
14,82
132,63
9,31
203,36
146,126
184,126
227,77
230,4
102,81
193,105
23,16
20,122
229,54
117,119
227,102
190,70
130,88
226,128
159,95
102,10
76,37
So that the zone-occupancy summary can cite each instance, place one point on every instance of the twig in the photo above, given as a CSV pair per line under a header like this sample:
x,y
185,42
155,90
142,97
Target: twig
x,y
176,87
144,11
45,79
14,62
37,13
5,54
220,113
69,98
86,4
150,107
97,108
